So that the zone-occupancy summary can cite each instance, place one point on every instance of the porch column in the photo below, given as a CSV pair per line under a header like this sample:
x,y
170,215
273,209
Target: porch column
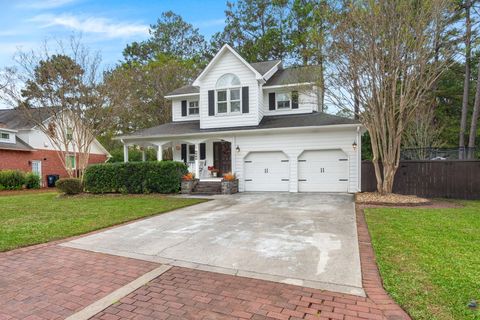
x,y
159,153
144,155
197,161
125,152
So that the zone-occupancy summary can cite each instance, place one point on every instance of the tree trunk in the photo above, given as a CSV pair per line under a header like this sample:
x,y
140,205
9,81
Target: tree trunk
x,y
466,85
473,126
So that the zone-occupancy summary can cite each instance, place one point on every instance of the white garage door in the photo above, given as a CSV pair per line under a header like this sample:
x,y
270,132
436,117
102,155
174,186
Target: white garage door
x,y
266,171
323,171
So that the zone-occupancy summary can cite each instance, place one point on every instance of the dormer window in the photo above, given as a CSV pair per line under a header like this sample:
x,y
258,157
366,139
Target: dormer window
x,y
4,136
228,94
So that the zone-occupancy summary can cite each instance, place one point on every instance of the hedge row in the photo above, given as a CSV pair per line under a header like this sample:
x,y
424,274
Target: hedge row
x,y
135,177
15,180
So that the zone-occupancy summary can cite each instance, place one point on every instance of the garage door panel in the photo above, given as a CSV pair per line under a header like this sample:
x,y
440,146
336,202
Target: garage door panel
x,y
267,171
323,171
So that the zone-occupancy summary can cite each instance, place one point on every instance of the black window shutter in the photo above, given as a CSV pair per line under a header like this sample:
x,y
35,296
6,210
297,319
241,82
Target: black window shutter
x,y
294,99
184,108
245,103
202,151
271,101
184,152
211,102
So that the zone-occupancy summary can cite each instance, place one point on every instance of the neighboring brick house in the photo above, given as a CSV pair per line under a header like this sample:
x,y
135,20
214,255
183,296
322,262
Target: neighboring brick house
x,y
26,148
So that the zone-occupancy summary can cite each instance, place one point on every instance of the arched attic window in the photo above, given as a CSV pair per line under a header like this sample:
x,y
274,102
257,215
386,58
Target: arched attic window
x,y
228,88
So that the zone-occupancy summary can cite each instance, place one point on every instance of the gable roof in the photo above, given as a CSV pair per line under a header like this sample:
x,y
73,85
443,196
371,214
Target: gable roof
x,y
264,66
294,75
225,48
188,89
15,119
19,145
315,119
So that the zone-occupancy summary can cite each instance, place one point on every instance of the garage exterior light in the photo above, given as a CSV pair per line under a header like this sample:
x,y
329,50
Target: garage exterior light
x,y
354,145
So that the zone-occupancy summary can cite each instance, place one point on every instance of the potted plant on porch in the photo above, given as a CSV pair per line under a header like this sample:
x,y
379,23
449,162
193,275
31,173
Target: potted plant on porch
x,y
188,183
213,171
229,183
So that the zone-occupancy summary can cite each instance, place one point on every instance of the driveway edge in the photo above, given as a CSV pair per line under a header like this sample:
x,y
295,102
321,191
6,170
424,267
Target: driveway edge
x,y
105,302
371,279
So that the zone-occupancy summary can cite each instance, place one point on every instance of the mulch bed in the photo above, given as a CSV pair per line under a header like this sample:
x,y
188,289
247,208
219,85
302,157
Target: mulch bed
x,y
374,199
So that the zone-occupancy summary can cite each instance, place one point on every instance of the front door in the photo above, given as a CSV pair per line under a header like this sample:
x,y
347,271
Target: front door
x,y
37,168
222,157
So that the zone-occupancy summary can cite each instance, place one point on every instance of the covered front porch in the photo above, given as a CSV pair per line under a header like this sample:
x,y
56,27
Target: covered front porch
x,y
208,158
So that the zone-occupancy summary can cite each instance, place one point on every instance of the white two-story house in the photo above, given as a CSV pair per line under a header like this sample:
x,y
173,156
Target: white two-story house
x,y
262,122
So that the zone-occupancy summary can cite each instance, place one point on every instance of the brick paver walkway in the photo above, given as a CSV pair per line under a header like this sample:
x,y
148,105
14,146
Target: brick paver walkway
x,y
52,282
183,293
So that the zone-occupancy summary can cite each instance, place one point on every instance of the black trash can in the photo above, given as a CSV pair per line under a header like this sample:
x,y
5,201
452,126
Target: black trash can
x,y
51,179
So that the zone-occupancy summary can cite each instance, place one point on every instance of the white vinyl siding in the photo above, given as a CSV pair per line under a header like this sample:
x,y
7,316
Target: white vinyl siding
x,y
177,109
229,63
307,101
288,143
7,137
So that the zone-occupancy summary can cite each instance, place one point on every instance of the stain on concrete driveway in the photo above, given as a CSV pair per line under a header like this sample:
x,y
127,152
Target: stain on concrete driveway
x,y
302,239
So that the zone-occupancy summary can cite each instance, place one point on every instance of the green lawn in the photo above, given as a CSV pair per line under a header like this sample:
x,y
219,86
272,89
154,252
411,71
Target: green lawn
x,y
429,258
36,218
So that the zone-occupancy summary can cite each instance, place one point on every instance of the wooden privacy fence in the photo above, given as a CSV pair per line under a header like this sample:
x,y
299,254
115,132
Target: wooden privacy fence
x,y
431,178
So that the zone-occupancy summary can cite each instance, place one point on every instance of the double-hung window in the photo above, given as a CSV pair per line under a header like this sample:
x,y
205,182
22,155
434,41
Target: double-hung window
x,y
228,94
193,108
228,101
283,101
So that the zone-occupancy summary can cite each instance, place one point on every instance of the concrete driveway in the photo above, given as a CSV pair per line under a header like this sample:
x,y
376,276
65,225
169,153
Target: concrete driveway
x,y
302,239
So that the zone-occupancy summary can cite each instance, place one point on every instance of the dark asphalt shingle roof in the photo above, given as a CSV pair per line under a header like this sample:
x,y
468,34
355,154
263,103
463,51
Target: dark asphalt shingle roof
x,y
268,122
15,119
264,66
293,75
19,145
261,67
184,90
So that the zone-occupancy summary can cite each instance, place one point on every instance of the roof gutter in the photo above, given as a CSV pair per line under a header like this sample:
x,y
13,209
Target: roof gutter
x,y
215,133
181,95
289,85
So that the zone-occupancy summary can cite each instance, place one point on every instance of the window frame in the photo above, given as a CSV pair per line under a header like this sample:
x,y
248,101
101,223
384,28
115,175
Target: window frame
x,y
71,156
228,88
69,133
189,107
289,95
228,101
6,134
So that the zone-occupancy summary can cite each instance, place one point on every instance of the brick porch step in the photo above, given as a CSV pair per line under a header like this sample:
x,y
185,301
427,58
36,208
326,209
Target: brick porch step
x,y
208,188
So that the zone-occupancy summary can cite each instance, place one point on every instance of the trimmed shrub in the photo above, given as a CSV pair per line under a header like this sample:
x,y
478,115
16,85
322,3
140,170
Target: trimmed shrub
x,y
70,185
135,177
11,180
32,181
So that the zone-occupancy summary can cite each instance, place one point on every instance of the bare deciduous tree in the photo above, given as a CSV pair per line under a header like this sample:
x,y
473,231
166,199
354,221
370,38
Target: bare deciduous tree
x,y
388,69
60,91
467,5
422,132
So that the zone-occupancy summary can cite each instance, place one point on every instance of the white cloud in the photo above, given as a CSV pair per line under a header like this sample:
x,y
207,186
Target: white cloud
x,y
45,4
102,26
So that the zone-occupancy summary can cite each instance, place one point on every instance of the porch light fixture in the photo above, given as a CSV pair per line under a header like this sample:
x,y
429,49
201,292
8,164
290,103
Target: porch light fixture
x,y
238,149
354,145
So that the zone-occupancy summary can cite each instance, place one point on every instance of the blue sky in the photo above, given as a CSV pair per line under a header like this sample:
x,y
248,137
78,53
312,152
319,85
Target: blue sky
x,y
105,25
